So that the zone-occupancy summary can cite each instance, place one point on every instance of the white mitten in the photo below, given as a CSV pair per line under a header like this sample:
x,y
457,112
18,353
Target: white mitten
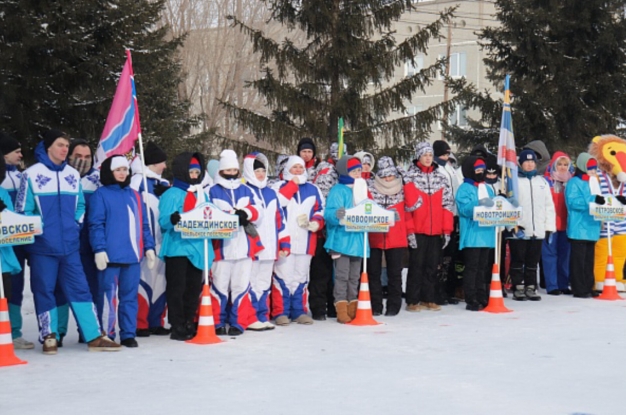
x,y
151,258
102,259
303,220
314,226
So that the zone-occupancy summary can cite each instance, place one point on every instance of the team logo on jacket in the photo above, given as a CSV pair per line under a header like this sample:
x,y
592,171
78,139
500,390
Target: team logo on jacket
x,y
42,180
92,179
71,180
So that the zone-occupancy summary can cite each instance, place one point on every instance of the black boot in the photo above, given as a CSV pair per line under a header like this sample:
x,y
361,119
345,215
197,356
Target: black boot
x,y
180,333
234,331
159,331
142,332
192,328
130,342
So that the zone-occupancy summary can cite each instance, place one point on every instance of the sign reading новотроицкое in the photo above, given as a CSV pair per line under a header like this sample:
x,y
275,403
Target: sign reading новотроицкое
x,y
502,213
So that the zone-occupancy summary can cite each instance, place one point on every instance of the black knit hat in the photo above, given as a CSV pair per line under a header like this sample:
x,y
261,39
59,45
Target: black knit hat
x,y
8,144
78,142
306,144
51,136
154,154
440,148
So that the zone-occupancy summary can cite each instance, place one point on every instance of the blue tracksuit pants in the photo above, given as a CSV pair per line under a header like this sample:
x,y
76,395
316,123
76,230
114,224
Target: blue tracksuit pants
x,y
117,298
555,261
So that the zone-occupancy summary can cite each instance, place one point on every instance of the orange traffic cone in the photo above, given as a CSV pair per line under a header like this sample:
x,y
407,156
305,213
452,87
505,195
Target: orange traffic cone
x,y
7,354
206,326
364,315
609,292
496,303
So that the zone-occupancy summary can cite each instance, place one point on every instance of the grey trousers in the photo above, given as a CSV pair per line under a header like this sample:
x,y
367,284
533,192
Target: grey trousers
x,y
347,273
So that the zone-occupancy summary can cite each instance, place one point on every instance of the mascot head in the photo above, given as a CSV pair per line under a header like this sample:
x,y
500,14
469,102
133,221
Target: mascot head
x,y
610,151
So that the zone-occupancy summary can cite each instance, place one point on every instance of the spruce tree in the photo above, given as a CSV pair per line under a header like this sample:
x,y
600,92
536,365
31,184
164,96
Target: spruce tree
x,y
567,64
61,61
344,68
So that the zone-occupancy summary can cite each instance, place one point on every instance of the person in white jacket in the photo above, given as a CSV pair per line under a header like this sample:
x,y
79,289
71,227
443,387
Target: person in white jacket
x,y
538,222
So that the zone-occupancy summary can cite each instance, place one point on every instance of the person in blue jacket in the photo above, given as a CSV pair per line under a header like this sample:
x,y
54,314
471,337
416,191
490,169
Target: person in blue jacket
x,y
345,248
582,230
476,242
119,234
184,258
52,189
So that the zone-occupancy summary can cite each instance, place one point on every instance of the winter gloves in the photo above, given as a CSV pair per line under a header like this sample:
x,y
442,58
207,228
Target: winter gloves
x,y
159,189
599,200
341,213
150,258
243,217
620,198
2,205
303,220
102,259
314,226
485,201
412,241
446,238
175,218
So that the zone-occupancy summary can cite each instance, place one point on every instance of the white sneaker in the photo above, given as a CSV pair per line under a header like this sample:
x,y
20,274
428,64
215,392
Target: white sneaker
x,y
256,326
22,343
269,326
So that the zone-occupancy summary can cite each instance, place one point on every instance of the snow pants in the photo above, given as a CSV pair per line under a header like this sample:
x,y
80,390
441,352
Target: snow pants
x,y
17,294
347,274
290,291
117,298
320,285
230,292
393,258
184,286
525,256
618,243
260,288
423,263
45,272
555,261
581,266
152,301
477,274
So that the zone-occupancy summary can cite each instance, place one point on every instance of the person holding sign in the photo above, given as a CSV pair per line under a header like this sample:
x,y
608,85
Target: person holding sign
x,y
303,205
345,248
184,258
386,190
582,230
52,189
233,257
538,222
119,234
429,197
476,242
274,237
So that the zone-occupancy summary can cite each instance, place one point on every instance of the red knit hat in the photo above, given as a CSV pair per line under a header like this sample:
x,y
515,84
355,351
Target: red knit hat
x,y
354,163
592,164
480,164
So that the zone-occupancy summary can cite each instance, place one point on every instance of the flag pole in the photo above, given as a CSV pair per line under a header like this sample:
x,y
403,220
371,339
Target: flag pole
x,y
340,139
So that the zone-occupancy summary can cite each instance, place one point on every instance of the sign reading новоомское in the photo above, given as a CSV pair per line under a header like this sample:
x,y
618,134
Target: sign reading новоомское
x,y
207,221
502,213
16,229
368,216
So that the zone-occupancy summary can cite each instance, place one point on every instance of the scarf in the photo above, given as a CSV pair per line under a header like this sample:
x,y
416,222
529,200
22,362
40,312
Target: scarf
x,y
388,188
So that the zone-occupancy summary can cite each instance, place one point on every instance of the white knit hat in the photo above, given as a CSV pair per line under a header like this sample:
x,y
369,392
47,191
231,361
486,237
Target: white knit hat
x,y
228,160
117,162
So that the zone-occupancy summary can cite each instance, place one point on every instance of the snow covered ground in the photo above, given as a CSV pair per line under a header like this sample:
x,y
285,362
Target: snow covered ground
x,y
557,356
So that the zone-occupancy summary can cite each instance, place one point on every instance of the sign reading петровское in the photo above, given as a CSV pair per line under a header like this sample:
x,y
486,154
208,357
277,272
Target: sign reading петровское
x,y
16,229
368,216
502,213
611,211
207,221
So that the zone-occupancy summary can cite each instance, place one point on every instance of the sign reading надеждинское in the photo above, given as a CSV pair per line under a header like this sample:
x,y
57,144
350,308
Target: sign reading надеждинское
x,y
368,216
611,211
16,229
207,221
502,213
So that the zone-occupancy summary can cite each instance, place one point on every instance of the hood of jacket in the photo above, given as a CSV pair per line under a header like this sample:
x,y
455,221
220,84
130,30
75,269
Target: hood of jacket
x,y
106,175
248,169
543,155
180,167
468,167
41,154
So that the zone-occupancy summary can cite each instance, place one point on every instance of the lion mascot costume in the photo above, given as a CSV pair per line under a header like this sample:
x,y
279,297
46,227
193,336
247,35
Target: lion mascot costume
x,y
610,152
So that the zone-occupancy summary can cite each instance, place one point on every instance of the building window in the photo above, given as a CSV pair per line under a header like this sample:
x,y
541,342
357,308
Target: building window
x,y
411,68
412,110
458,65
458,117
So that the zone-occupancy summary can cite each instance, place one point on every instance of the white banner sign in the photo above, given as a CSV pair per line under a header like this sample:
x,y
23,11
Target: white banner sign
x,y
611,211
368,216
502,213
207,221
16,229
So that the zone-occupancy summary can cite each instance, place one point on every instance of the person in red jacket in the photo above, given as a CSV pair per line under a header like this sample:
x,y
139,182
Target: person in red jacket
x,y
555,251
386,190
429,197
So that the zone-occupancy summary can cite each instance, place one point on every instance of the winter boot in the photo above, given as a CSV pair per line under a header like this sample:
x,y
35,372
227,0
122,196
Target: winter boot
x,y
282,321
304,319
234,331
142,332
160,331
342,312
519,293
50,344
352,306
103,344
22,343
180,333
531,293
129,342
256,326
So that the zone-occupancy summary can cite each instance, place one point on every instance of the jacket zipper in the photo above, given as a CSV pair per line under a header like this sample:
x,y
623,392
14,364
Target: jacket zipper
x,y
430,203
532,203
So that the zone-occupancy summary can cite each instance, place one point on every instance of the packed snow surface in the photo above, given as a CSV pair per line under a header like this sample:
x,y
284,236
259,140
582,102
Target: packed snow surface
x,y
558,356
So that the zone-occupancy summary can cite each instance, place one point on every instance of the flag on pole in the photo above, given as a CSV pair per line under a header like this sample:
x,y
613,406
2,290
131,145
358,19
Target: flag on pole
x,y
122,127
340,138
507,156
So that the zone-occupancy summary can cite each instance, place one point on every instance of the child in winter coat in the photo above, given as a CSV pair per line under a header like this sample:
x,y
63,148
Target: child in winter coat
x,y
346,248
119,234
386,190
303,206
556,249
274,237
233,257
582,230
476,242
538,222
184,258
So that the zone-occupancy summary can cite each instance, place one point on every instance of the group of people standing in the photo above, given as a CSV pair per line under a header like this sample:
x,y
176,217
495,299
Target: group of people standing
x,y
110,250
